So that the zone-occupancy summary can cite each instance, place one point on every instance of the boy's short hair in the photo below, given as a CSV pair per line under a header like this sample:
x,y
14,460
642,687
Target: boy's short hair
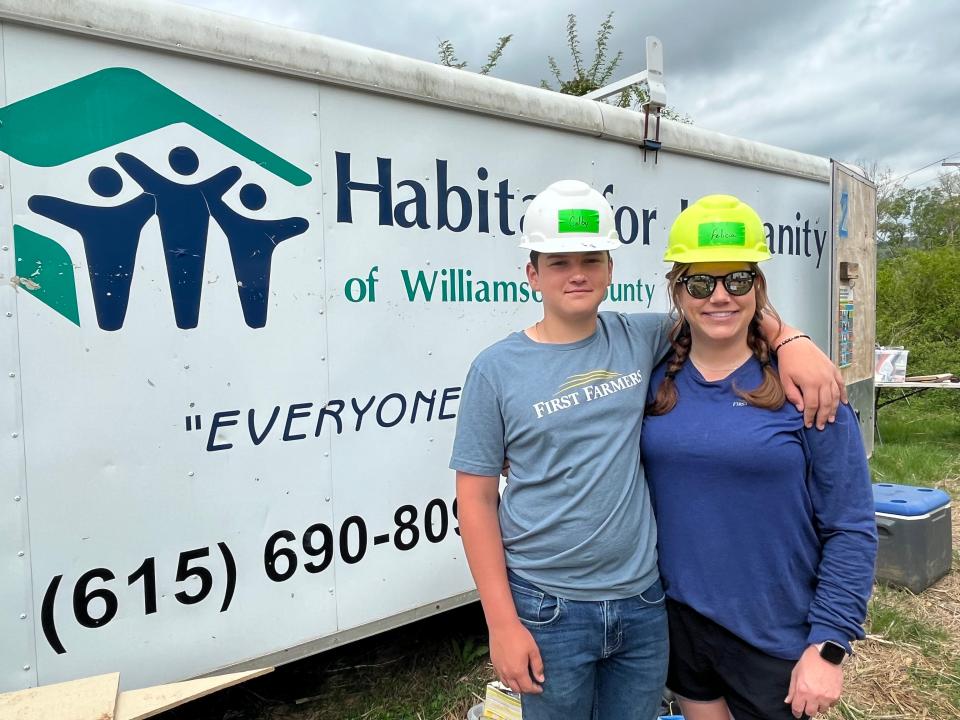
x,y
535,258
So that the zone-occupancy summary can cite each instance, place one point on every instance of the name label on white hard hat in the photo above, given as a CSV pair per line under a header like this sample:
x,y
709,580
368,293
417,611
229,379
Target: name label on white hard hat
x,y
578,221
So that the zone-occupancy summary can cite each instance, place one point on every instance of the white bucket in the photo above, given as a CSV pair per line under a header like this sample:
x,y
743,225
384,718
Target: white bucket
x,y
476,712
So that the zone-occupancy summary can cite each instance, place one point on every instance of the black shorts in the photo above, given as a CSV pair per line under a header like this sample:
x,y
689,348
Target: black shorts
x,y
708,662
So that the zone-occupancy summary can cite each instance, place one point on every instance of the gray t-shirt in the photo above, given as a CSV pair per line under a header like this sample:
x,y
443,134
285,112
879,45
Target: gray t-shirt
x,y
575,515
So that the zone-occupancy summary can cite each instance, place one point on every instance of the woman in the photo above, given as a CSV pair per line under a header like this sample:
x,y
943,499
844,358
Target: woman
x,y
766,532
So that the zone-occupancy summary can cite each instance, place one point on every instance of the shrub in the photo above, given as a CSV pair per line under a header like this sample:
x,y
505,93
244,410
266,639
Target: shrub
x,y
918,306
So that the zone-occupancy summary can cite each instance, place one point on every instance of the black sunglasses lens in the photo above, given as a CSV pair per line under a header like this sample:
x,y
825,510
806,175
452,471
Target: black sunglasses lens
x,y
700,286
738,283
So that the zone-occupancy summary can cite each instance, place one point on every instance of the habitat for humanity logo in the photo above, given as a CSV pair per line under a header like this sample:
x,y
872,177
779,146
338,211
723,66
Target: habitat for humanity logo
x,y
104,109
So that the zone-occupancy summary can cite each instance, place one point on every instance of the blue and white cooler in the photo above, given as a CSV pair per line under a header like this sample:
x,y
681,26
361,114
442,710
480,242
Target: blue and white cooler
x,y
914,526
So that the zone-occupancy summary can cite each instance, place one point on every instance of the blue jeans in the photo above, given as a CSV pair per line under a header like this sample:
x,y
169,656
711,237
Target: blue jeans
x,y
602,660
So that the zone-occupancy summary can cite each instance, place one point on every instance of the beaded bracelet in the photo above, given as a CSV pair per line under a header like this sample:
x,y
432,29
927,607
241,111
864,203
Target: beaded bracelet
x,y
789,339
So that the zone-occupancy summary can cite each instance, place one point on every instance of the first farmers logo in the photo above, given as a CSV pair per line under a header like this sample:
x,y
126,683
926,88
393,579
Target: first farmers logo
x,y
102,110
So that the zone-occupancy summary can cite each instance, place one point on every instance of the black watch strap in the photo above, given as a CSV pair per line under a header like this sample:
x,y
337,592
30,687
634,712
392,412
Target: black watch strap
x,y
832,652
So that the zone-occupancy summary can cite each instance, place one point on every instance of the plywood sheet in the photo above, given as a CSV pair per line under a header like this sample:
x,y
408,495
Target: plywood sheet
x,y
91,698
855,220
147,702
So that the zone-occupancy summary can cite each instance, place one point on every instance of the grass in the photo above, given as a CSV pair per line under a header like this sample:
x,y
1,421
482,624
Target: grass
x,y
921,445
888,619
909,666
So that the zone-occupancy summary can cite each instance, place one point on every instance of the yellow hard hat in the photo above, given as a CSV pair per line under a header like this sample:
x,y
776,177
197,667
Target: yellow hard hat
x,y
717,228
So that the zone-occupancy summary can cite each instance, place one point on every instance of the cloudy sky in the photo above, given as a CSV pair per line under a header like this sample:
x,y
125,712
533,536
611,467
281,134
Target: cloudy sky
x,y
871,81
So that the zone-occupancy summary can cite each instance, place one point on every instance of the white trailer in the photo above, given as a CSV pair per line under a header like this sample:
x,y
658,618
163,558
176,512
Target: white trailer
x,y
244,272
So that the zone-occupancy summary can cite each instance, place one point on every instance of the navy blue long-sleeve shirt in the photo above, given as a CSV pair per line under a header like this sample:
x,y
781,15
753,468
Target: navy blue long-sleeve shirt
x,y
764,527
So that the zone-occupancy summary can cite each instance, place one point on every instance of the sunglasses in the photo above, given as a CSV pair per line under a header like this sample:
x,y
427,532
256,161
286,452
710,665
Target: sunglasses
x,y
701,287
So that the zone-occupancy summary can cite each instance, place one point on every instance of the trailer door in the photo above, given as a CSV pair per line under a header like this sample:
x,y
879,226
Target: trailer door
x,y
854,288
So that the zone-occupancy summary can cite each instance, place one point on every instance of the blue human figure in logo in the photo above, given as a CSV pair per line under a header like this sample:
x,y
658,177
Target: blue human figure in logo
x,y
110,237
184,220
252,243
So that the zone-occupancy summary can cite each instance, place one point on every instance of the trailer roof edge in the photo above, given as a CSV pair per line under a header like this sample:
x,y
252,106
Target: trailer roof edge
x,y
188,30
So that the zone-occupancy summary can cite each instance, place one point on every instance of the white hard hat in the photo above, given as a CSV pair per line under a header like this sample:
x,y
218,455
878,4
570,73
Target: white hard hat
x,y
569,216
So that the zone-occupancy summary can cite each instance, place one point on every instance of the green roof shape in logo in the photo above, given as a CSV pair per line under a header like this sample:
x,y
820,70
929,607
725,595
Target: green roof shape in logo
x,y
111,106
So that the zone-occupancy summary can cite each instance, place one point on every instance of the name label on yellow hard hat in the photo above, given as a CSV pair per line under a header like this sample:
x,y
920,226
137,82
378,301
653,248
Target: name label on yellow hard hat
x,y
725,233
578,221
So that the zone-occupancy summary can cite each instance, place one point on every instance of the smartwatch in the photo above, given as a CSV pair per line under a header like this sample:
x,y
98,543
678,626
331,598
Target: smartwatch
x,y
834,653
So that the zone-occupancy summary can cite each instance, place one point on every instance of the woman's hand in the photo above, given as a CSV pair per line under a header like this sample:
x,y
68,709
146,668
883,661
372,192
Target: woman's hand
x,y
815,684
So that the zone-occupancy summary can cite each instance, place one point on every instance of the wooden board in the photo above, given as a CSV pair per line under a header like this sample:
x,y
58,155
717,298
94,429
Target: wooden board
x,y
147,702
858,246
91,698
922,385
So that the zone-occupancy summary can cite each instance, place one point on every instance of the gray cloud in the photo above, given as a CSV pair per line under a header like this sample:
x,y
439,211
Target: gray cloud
x,y
872,80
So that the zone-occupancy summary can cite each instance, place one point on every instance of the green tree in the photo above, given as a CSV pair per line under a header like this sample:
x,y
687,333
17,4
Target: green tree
x,y
894,206
926,217
448,56
918,306
935,214
587,78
